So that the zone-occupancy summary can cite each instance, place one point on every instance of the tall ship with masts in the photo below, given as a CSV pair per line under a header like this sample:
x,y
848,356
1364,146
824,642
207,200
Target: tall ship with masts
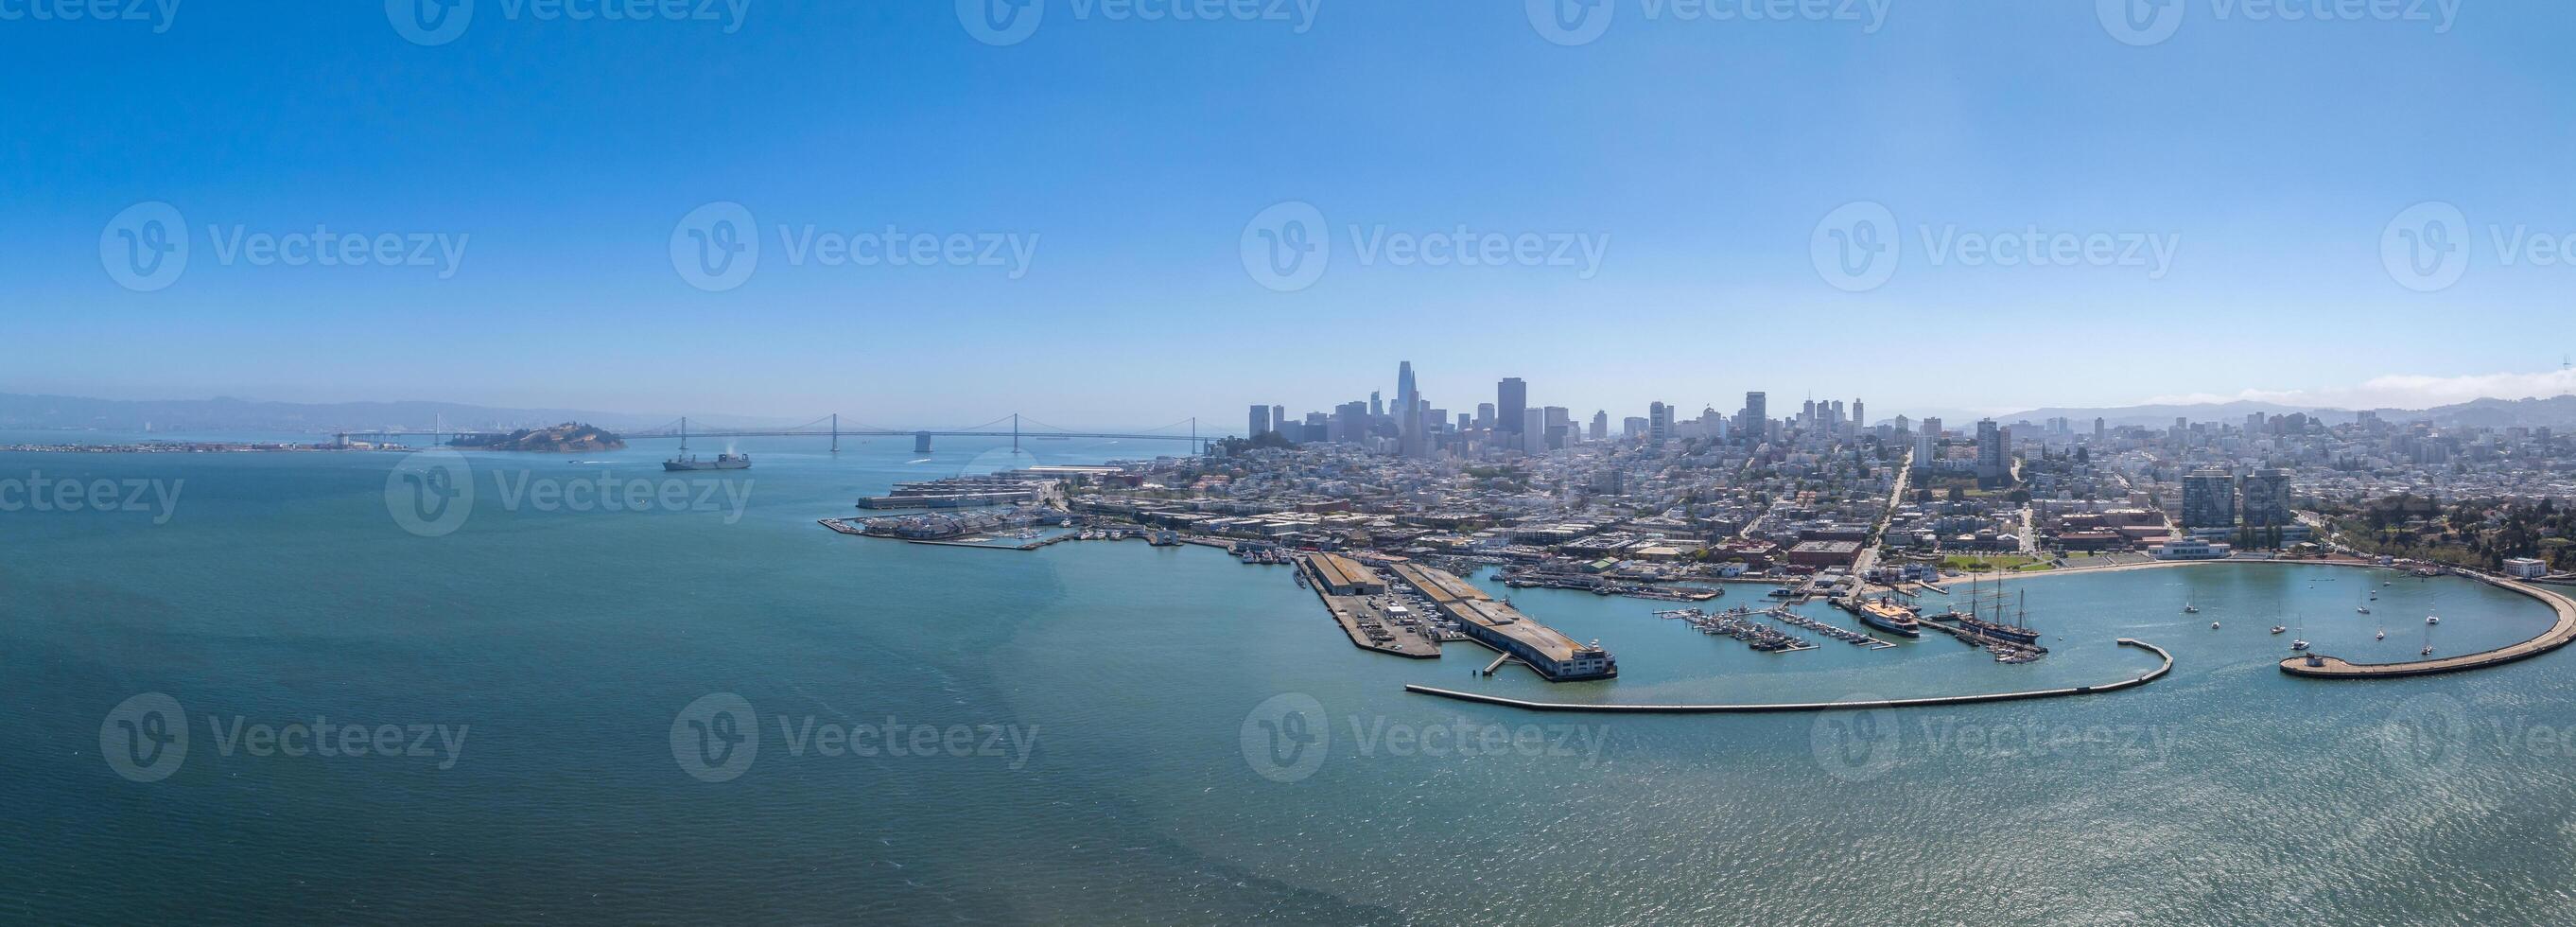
x,y
2017,631
684,461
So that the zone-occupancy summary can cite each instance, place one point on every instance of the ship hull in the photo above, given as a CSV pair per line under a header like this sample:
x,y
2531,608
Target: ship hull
x,y
680,466
1890,626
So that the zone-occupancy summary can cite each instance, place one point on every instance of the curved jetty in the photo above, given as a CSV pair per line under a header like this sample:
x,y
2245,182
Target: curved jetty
x,y
2557,636
2149,676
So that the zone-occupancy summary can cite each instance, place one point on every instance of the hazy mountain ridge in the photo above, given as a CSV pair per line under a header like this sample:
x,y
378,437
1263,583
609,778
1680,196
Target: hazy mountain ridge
x,y
231,414
2554,412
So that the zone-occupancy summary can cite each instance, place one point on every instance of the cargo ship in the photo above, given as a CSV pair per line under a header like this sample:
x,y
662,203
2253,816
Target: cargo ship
x,y
684,461
1890,617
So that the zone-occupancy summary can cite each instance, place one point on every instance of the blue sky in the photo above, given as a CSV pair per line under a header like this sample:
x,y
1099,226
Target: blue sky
x,y
1111,164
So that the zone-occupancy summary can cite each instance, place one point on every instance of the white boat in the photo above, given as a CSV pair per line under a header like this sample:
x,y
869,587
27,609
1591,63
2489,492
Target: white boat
x,y
2431,619
2213,625
2190,609
2278,628
2298,645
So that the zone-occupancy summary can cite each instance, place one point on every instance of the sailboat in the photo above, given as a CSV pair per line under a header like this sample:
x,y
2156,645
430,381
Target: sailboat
x,y
2300,642
2428,640
2362,607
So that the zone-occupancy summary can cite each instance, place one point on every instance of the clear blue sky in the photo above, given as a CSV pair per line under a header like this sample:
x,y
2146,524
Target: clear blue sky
x,y
2272,154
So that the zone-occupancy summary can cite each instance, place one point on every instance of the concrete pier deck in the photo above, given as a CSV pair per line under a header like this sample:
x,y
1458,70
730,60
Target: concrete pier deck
x,y
2559,634
2150,676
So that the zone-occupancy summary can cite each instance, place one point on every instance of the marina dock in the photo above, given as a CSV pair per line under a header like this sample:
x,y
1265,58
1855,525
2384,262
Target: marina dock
x,y
2559,634
2150,676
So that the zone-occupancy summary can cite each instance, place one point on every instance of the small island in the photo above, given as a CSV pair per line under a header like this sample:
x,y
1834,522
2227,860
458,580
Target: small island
x,y
567,438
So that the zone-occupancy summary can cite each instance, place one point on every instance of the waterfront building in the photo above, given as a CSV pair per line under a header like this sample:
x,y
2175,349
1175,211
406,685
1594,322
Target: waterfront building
x,y
2266,498
2208,500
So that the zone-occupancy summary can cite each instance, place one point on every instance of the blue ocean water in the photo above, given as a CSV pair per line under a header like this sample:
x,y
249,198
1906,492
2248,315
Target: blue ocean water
x,y
1115,766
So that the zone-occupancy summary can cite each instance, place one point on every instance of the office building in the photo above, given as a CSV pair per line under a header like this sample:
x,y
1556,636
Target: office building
x,y
2208,499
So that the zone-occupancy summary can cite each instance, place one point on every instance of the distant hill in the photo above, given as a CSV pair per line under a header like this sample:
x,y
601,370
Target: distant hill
x,y
567,438
228,414
2555,412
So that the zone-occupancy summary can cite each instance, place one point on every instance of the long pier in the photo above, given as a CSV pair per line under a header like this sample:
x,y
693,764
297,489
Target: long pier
x,y
2559,634
2150,676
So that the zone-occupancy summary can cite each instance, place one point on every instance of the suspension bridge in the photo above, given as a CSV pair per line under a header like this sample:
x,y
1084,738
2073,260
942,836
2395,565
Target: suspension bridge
x,y
1014,426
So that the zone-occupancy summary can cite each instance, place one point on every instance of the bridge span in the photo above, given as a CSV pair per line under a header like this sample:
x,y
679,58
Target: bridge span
x,y
830,427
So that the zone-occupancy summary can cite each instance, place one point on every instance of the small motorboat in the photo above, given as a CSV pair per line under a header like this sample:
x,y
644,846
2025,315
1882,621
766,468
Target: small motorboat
x,y
2276,629
2298,645
2213,625
2383,635
2432,619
